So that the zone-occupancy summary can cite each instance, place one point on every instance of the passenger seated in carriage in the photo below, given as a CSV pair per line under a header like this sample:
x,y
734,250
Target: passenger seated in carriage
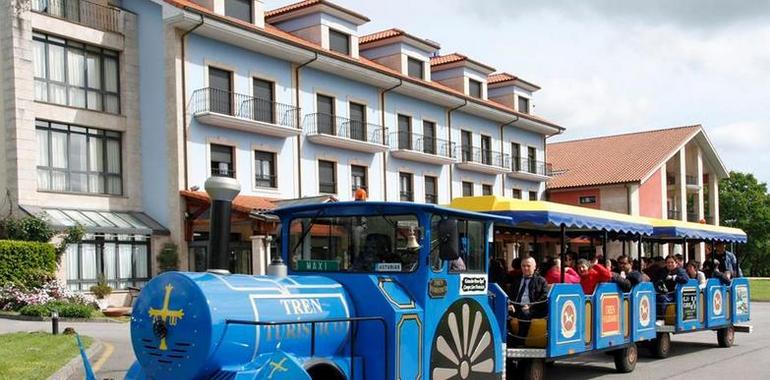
x,y
711,270
591,274
666,280
528,295
694,272
628,277
553,272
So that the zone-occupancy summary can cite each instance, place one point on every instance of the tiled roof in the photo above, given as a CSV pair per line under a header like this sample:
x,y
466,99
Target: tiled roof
x,y
390,33
281,35
242,203
309,3
614,159
499,77
446,59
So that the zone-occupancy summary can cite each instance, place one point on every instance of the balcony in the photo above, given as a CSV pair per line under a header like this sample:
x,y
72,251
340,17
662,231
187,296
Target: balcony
x,y
484,161
693,217
420,148
222,172
529,169
341,132
82,12
245,113
691,182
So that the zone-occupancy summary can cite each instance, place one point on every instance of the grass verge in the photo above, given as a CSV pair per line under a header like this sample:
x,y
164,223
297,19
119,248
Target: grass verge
x,y
760,290
36,355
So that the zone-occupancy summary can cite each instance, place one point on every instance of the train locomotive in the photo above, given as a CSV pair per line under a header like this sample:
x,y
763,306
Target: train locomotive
x,y
370,290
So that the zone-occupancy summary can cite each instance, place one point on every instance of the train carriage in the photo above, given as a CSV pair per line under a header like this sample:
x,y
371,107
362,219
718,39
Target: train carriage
x,y
722,307
577,323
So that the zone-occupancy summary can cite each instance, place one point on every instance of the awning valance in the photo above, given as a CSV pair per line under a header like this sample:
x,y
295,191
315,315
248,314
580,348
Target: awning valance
x,y
669,229
542,215
99,221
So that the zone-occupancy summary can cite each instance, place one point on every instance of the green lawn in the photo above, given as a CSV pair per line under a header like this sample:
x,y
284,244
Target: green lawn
x,y
35,355
760,290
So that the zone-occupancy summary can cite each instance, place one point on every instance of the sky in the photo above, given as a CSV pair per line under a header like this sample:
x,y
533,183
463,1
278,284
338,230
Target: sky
x,y
609,67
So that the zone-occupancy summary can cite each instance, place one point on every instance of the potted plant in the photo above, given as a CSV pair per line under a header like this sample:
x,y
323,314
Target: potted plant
x,y
100,291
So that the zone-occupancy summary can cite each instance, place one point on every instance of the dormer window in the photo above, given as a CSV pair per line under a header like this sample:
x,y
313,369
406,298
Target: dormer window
x,y
523,104
339,42
240,9
415,68
474,88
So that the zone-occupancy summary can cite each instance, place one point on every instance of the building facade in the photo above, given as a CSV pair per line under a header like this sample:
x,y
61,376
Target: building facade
x,y
71,134
669,174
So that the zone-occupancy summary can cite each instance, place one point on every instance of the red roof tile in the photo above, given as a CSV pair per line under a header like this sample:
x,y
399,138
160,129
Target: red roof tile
x,y
499,77
447,59
309,3
390,33
290,38
622,158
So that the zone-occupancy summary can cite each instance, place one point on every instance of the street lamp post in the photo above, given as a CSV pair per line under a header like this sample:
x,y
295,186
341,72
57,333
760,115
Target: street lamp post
x,y
222,191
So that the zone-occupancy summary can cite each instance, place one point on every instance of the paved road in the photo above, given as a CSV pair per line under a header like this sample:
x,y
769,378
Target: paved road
x,y
694,356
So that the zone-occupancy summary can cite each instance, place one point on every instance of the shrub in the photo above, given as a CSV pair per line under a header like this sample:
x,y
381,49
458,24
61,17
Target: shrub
x,y
23,263
101,289
13,297
168,258
64,308
26,229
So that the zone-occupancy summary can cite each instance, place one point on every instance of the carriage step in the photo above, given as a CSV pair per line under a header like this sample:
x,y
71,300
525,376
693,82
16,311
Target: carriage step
x,y
743,328
525,353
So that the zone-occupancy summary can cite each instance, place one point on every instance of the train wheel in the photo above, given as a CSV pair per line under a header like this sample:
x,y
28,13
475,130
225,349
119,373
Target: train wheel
x,y
533,369
726,336
661,346
464,347
625,359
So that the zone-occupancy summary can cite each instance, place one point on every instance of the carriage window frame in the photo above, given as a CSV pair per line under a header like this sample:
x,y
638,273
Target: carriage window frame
x,y
419,231
434,250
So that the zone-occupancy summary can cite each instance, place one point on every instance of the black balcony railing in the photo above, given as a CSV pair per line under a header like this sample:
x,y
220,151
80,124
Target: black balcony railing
x,y
484,156
243,106
674,214
83,12
691,180
431,198
265,180
325,124
406,196
422,143
692,217
530,166
222,172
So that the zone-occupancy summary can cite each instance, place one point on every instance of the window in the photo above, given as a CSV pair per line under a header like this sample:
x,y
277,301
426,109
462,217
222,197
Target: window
x,y
466,141
486,150
240,9
532,159
78,159
587,200
339,42
263,101
372,243
414,68
523,104
357,177
264,169
74,74
516,193
222,161
467,189
533,195
473,238
325,114
431,190
428,137
357,124
406,187
327,177
486,189
474,88
220,91
516,156
404,132
123,260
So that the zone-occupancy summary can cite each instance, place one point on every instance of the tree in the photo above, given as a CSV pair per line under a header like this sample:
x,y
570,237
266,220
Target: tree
x,y
744,203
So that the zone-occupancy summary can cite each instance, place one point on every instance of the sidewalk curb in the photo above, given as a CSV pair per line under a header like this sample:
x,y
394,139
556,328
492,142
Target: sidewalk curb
x,y
74,365
68,320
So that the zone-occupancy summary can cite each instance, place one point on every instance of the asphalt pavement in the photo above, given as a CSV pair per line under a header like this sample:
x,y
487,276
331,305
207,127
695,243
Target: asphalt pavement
x,y
693,355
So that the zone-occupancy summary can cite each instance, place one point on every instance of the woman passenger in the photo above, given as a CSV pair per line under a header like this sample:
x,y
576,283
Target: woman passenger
x,y
553,272
591,274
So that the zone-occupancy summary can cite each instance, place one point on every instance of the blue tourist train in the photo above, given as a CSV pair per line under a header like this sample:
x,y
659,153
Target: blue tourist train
x,y
375,290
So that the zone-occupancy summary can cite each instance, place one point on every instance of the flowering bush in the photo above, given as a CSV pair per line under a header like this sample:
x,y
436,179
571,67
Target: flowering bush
x,y
13,297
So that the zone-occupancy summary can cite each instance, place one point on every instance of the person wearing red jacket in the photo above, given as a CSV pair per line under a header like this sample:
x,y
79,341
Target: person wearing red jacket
x,y
591,274
553,273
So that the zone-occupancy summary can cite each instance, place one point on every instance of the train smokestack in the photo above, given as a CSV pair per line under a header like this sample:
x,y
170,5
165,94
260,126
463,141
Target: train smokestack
x,y
222,191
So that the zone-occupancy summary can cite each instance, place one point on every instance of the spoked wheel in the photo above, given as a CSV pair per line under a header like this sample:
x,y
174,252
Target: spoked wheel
x,y
625,359
532,369
661,346
726,336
